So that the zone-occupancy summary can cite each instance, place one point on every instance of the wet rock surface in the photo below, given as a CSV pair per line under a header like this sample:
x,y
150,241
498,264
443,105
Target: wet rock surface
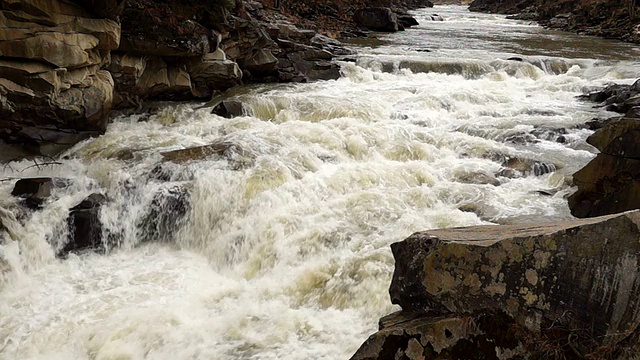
x,y
36,191
85,228
378,19
53,89
561,290
166,213
229,108
609,183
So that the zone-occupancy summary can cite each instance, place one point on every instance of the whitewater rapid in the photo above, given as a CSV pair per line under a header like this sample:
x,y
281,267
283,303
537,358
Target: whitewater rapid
x,y
284,253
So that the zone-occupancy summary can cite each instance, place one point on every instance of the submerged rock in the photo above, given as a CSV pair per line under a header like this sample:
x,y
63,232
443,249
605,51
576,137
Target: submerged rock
x,y
609,183
407,20
222,149
165,215
515,167
548,291
35,191
85,228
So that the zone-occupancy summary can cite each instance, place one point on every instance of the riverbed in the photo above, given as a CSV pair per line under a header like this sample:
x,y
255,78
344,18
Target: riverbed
x,y
284,251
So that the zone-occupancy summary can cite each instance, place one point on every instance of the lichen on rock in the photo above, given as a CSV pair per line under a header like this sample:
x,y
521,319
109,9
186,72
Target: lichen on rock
x,y
576,281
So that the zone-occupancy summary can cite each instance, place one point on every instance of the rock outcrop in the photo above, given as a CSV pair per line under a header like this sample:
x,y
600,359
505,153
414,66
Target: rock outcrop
x,y
609,183
551,291
53,86
64,64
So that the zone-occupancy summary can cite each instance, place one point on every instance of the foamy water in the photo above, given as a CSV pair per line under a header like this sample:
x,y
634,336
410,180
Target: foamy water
x,y
284,253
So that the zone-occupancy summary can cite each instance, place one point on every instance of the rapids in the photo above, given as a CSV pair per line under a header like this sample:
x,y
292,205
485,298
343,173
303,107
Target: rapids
x,y
284,253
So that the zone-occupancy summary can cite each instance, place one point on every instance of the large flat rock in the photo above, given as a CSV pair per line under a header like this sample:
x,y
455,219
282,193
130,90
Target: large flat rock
x,y
575,281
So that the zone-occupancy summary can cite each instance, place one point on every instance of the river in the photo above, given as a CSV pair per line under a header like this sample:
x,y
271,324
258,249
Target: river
x,y
284,253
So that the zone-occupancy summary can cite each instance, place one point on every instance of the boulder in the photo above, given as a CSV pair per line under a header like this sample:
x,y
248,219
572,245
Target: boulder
x,y
161,81
221,149
229,108
547,291
407,20
166,213
606,185
609,183
207,76
516,167
377,19
53,92
35,191
262,63
85,228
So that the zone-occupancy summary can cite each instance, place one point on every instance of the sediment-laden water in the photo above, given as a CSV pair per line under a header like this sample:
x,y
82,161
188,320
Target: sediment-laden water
x,y
284,252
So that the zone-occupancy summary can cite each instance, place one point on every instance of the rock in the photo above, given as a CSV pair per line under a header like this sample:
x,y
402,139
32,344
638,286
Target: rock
x,y
35,191
435,17
229,108
262,63
166,213
222,149
53,92
528,166
548,291
597,123
85,228
618,138
477,177
609,183
560,21
634,113
162,82
58,39
606,185
208,76
377,19
407,20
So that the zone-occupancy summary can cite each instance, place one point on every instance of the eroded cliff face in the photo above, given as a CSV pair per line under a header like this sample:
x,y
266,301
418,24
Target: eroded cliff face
x,y
552,291
607,18
53,86
65,64
610,183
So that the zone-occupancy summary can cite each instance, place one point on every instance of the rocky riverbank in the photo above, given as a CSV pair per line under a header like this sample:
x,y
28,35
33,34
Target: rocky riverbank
x,y
65,65
551,291
606,18
609,183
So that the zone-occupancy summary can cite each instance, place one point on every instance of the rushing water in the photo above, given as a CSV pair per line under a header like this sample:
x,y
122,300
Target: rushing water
x,y
285,251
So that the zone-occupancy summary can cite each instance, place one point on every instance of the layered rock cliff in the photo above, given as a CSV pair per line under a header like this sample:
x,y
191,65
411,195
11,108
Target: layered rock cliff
x,y
551,291
607,18
53,85
65,64
610,183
